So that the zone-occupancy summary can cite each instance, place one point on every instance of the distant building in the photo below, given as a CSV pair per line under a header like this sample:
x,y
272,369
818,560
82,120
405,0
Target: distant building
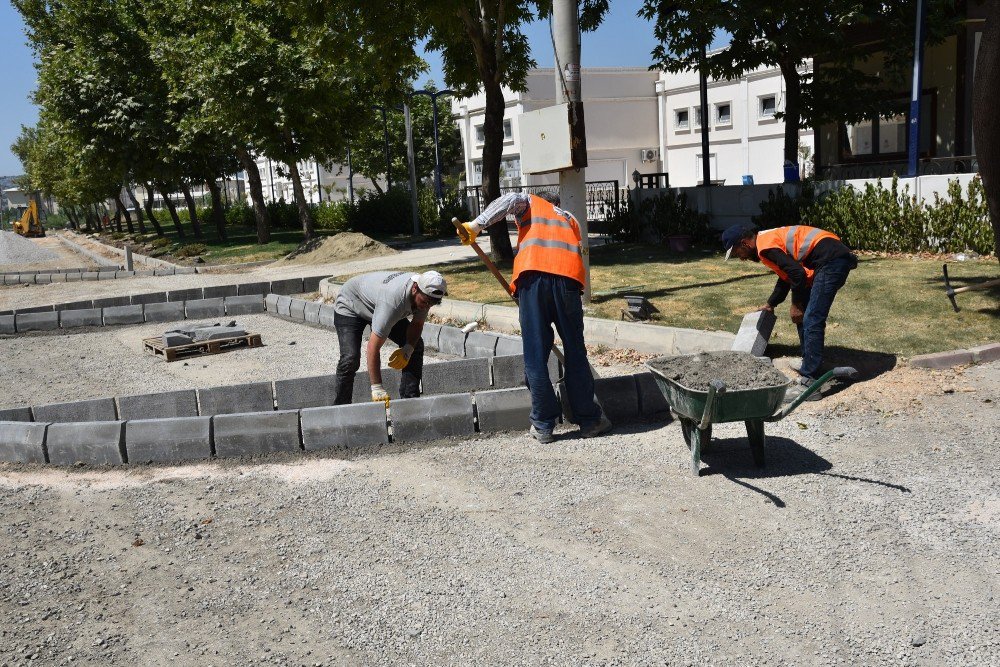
x,y
319,183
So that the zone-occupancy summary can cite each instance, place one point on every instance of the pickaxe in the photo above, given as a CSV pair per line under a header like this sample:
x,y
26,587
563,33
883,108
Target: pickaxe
x,y
950,292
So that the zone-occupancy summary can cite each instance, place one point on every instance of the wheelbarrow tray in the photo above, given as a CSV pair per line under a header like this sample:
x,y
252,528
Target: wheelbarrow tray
x,y
731,406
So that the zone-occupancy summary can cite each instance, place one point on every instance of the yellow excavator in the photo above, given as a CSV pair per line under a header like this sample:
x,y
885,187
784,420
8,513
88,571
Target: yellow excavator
x,y
30,223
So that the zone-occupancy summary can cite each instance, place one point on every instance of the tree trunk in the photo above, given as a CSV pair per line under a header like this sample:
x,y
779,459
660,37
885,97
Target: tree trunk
x,y
192,210
169,203
74,222
218,213
118,219
122,210
256,196
492,155
138,209
985,120
305,215
149,209
89,222
792,113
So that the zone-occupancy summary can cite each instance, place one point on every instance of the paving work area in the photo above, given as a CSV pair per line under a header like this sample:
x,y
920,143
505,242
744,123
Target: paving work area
x,y
871,538
22,254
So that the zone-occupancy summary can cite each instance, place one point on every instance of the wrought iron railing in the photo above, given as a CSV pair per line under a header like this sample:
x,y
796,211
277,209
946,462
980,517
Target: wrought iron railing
x,y
963,164
603,197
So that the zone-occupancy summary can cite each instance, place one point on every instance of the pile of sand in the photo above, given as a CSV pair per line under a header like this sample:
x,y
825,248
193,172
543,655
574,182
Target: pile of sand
x,y
738,370
336,248
15,250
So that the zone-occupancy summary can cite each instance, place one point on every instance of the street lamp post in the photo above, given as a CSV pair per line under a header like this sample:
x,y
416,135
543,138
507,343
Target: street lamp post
x,y
437,155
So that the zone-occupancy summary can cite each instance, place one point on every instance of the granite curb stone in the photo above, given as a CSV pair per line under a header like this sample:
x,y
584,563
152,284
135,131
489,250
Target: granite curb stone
x,y
308,392
189,294
451,341
252,397
46,321
7,324
163,312
287,286
618,397
504,409
96,443
246,289
16,414
220,291
344,426
312,312
22,442
943,359
124,315
172,439
651,399
162,405
204,308
249,433
452,416
480,344
454,376
244,305
93,410
149,297
985,353
91,317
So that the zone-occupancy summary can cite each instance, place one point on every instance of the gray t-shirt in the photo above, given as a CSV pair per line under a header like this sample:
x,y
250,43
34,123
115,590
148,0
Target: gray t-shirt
x,y
382,298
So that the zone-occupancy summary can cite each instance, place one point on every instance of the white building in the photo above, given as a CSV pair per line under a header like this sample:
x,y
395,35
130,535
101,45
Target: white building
x,y
620,115
648,121
320,183
745,138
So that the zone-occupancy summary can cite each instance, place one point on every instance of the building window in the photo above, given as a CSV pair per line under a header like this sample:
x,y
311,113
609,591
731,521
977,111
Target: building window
x,y
682,119
510,171
477,173
889,136
724,114
480,134
508,131
768,106
696,115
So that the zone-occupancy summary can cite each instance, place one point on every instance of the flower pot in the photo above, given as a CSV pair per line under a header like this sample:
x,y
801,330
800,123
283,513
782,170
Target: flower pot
x,y
679,243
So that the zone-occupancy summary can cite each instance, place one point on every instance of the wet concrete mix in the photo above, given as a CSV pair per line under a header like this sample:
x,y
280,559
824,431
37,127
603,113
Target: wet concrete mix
x,y
738,370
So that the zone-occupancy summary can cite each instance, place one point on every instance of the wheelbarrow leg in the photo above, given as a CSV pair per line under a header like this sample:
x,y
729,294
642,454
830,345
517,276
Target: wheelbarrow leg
x,y
697,440
755,433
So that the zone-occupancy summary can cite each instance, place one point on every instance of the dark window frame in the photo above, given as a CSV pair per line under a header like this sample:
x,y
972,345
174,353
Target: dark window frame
x,y
876,123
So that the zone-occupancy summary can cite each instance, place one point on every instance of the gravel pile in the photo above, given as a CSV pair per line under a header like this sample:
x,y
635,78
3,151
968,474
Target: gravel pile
x,y
868,540
738,370
15,249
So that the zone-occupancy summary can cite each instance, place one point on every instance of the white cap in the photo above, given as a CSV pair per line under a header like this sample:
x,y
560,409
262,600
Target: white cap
x,y
432,284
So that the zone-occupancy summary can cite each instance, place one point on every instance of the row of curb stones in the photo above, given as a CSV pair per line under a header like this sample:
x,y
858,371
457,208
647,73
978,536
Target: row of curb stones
x,y
977,355
315,428
14,321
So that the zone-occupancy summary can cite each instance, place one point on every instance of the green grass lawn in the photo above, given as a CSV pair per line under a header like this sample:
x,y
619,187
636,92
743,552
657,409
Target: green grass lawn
x,y
890,305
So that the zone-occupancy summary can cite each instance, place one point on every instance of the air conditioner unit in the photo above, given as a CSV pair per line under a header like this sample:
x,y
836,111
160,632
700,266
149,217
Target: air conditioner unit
x,y
649,154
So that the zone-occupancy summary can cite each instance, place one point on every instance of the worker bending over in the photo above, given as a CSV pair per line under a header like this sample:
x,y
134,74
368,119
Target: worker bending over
x,y
384,300
548,285
811,263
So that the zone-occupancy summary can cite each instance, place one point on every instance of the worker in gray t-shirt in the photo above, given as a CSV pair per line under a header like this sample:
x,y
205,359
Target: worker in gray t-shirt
x,y
384,300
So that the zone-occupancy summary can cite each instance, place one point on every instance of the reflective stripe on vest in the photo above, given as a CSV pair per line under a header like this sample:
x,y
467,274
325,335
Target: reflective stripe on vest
x,y
783,238
806,242
548,241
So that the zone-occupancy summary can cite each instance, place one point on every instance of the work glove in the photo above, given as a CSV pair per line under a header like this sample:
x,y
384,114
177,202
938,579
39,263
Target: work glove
x,y
380,395
468,234
401,357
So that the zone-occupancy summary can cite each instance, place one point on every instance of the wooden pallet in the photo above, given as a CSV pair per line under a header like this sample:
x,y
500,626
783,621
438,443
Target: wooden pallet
x,y
157,348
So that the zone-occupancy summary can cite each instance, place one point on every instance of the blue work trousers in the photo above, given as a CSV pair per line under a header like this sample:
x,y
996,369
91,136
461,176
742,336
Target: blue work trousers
x,y
545,299
812,332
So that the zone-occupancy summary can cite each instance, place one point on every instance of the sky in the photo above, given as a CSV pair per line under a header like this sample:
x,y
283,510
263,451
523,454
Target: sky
x,y
622,40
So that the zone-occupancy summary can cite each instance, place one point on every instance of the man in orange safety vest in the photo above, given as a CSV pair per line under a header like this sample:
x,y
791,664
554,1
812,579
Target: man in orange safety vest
x,y
813,265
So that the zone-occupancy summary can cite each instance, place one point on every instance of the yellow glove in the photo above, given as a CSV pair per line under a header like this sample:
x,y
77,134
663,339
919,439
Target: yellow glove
x,y
380,395
467,234
401,357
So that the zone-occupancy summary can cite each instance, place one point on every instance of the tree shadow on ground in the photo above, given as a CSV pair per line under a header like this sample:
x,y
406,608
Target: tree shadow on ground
x,y
730,457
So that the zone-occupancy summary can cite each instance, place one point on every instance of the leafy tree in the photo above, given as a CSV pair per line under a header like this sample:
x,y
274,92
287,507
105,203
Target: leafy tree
x,y
483,49
985,121
784,34
368,146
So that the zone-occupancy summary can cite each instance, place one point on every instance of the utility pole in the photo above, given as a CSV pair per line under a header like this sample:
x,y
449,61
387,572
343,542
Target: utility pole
x,y
706,168
913,149
572,182
350,174
411,163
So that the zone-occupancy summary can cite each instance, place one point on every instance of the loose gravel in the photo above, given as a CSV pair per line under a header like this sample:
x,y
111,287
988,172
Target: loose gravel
x,y
15,250
871,538
738,370
77,364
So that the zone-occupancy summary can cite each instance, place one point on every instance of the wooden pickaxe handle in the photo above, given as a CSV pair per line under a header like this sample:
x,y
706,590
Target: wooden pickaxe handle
x,y
483,256
950,292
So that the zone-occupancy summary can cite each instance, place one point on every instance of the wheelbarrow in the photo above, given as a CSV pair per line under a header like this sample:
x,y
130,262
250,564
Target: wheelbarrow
x,y
697,410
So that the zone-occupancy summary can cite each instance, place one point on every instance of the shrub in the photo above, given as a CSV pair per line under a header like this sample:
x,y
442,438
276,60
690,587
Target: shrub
x,y
333,216
240,214
382,212
780,209
190,250
284,215
623,221
890,220
453,206
667,214
161,242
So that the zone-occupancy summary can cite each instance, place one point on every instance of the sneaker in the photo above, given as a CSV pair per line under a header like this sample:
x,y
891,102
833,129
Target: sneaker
x,y
597,428
544,437
799,388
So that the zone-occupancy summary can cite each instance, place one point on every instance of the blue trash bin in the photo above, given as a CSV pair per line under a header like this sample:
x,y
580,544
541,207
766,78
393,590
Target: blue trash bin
x,y
791,172
747,179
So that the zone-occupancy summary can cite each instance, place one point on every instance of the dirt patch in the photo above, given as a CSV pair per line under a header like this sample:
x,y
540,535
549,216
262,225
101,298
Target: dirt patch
x,y
347,245
738,370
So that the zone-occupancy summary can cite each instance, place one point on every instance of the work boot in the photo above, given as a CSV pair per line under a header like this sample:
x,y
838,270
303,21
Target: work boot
x,y
597,428
799,388
544,437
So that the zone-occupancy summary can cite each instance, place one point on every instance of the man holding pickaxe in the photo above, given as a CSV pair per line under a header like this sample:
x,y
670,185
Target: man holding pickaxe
x,y
548,285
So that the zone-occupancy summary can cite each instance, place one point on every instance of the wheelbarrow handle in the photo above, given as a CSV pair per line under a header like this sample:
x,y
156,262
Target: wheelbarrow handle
x,y
840,372
715,388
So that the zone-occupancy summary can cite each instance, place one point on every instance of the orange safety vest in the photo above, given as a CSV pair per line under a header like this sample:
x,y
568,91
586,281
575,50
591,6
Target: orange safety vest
x,y
548,240
796,241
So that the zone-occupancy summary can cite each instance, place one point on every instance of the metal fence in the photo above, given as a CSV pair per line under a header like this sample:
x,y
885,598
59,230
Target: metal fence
x,y
603,197
962,164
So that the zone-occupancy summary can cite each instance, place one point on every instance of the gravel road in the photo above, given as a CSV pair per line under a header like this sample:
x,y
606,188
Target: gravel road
x,y
872,537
